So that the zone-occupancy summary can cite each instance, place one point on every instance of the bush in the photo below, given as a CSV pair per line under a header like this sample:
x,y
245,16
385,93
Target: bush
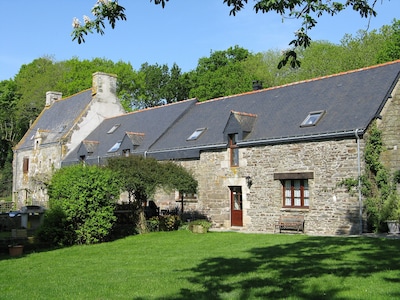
x,y
85,195
153,224
202,222
53,230
169,222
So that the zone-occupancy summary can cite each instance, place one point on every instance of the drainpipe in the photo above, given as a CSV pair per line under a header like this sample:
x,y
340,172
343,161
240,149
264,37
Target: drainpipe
x,y
359,179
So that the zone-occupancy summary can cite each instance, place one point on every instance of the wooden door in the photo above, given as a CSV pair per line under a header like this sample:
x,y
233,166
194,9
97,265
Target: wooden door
x,y
236,206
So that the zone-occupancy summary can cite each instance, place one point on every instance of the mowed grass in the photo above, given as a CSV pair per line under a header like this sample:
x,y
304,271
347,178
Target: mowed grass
x,y
216,265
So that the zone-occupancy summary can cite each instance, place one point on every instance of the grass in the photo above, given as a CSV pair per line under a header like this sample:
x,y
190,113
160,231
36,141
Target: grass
x,y
224,265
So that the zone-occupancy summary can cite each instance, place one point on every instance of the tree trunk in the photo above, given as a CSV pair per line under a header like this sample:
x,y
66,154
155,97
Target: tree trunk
x,y
142,224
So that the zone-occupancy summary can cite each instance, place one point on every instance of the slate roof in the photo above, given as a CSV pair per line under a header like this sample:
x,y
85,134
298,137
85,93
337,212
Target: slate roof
x,y
56,120
350,100
142,127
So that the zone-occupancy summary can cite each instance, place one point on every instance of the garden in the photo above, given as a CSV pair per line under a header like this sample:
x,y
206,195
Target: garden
x,y
217,265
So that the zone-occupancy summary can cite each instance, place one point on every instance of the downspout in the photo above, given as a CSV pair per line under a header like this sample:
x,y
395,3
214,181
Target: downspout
x,y
359,180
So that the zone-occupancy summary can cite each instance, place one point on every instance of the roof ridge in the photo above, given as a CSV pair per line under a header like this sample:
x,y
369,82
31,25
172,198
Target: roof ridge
x,y
301,81
73,95
150,108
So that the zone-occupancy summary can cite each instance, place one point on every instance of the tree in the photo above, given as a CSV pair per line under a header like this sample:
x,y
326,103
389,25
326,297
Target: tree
x,y
142,176
306,10
32,82
391,48
158,85
221,74
86,196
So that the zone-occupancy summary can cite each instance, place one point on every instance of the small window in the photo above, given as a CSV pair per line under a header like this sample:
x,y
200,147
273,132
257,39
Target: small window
x,y
25,165
115,147
234,150
195,135
312,118
115,127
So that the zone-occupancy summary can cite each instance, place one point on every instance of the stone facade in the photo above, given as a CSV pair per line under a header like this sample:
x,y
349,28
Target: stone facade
x,y
332,209
41,150
390,126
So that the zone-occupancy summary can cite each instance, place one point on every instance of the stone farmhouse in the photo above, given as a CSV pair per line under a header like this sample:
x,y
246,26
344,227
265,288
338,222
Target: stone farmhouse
x,y
259,155
59,128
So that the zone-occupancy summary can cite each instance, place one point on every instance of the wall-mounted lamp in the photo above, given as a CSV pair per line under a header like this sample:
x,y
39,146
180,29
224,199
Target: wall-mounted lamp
x,y
249,181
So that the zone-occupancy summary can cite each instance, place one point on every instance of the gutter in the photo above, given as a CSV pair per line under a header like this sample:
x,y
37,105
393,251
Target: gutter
x,y
359,181
279,140
189,148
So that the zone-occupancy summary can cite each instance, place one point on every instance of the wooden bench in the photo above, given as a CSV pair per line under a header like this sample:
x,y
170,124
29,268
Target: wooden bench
x,y
290,223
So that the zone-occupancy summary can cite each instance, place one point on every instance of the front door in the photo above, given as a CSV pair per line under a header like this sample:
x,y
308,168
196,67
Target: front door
x,y
236,206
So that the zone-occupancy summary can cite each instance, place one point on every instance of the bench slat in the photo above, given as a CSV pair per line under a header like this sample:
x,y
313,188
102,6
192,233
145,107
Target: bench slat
x,y
291,223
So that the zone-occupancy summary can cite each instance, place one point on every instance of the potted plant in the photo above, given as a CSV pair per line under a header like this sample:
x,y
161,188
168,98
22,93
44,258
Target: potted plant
x,y
15,249
392,210
199,226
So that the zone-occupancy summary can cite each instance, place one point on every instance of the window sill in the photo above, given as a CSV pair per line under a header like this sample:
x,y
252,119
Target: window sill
x,y
295,209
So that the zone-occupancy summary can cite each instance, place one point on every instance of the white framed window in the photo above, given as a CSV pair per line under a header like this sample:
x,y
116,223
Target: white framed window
x,y
312,118
296,193
196,134
115,147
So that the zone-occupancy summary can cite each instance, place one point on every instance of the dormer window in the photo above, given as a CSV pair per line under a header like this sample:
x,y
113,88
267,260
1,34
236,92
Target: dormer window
x,y
312,118
196,134
115,127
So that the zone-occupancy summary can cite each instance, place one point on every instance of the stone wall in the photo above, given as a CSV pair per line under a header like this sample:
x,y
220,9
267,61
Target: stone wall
x,y
390,126
29,188
332,209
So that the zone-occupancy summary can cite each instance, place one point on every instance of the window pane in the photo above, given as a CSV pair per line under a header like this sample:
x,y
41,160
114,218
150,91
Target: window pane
x,y
235,156
288,193
306,193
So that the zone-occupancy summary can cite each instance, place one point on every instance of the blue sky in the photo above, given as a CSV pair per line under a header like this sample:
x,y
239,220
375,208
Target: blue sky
x,y
183,32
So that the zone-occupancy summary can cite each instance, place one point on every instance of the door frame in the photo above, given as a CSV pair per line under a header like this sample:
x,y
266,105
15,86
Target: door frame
x,y
236,204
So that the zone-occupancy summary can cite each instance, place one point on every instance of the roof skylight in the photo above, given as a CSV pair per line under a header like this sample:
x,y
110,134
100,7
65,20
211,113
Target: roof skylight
x,y
195,135
115,127
312,118
115,147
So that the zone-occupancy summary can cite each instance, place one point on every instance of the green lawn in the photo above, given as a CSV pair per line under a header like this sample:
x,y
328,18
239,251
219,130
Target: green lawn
x,y
223,265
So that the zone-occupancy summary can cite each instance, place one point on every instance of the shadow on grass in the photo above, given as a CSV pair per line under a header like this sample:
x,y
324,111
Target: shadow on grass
x,y
294,270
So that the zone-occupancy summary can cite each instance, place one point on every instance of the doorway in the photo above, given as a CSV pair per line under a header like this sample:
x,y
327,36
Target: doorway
x,y
236,206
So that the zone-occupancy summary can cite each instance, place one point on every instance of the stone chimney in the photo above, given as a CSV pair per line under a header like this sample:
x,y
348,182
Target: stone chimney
x,y
104,87
52,96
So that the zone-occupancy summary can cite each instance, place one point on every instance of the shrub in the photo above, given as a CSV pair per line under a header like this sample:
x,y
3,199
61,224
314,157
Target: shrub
x,y
169,222
53,230
202,222
153,224
86,196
